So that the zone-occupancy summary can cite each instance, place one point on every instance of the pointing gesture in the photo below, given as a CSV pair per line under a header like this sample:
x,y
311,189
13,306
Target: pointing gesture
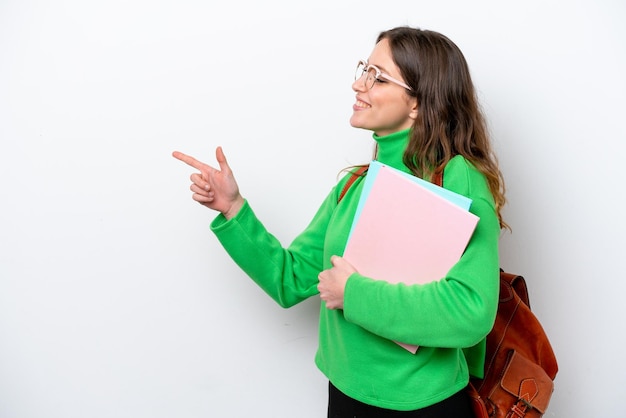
x,y
213,188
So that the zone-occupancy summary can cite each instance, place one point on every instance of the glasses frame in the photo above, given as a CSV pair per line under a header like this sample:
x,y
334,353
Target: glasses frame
x,y
379,74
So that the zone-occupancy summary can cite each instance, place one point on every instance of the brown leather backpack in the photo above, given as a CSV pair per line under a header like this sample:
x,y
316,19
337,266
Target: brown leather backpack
x,y
520,365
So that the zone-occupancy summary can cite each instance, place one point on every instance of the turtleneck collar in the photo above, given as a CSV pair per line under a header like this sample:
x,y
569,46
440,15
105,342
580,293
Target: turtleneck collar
x,y
391,149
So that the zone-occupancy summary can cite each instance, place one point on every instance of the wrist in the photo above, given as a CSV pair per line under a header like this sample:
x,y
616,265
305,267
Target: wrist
x,y
234,208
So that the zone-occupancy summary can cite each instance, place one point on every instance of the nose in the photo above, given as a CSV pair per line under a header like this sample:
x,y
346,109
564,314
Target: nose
x,y
359,84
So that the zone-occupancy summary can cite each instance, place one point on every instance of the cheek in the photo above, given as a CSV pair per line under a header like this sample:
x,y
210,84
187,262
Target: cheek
x,y
389,99
397,109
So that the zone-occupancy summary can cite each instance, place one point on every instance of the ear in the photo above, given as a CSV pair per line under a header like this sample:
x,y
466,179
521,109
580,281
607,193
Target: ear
x,y
414,108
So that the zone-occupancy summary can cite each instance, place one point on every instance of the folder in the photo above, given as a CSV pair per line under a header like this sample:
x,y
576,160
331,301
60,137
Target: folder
x,y
406,232
374,167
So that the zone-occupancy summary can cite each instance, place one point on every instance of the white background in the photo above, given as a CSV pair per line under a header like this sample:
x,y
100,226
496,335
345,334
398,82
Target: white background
x,y
115,298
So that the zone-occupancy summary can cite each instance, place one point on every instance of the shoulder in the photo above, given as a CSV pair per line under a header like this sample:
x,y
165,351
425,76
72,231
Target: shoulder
x,y
462,177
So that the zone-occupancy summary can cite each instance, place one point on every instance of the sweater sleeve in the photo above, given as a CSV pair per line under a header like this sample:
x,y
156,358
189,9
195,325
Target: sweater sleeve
x,y
456,311
288,275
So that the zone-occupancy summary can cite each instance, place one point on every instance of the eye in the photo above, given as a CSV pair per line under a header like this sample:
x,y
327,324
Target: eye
x,y
371,75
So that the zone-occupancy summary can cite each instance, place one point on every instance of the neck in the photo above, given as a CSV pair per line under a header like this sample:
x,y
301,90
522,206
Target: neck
x,y
391,149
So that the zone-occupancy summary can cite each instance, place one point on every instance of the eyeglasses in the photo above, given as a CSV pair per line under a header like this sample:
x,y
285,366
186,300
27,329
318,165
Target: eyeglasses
x,y
373,74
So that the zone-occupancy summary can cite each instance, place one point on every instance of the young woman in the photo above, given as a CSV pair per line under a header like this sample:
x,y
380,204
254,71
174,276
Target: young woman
x,y
415,94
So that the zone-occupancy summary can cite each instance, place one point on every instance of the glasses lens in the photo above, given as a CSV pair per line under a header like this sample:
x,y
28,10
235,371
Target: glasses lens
x,y
370,74
360,68
370,77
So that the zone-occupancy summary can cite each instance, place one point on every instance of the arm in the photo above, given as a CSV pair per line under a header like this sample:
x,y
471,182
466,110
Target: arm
x,y
456,311
288,275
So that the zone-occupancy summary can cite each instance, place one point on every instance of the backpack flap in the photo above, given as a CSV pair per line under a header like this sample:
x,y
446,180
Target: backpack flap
x,y
528,383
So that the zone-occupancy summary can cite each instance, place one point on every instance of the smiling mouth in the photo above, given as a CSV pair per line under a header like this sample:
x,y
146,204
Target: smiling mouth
x,y
362,105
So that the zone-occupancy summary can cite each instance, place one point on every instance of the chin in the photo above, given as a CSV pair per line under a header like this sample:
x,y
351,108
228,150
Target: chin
x,y
356,124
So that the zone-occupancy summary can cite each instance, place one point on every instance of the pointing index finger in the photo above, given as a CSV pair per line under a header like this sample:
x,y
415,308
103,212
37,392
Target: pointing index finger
x,y
189,160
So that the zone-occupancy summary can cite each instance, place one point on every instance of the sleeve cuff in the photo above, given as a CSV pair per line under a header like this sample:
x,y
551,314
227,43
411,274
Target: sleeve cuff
x,y
220,222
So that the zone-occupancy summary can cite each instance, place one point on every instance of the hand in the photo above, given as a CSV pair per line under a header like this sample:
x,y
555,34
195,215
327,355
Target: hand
x,y
332,282
215,189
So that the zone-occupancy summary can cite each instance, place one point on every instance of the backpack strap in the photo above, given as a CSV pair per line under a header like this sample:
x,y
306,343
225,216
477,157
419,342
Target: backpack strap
x,y
438,178
355,175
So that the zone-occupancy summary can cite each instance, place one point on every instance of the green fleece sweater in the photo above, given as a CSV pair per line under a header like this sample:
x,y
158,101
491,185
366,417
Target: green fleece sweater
x,y
356,349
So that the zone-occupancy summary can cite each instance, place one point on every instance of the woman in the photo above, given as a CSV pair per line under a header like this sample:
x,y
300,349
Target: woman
x,y
416,95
